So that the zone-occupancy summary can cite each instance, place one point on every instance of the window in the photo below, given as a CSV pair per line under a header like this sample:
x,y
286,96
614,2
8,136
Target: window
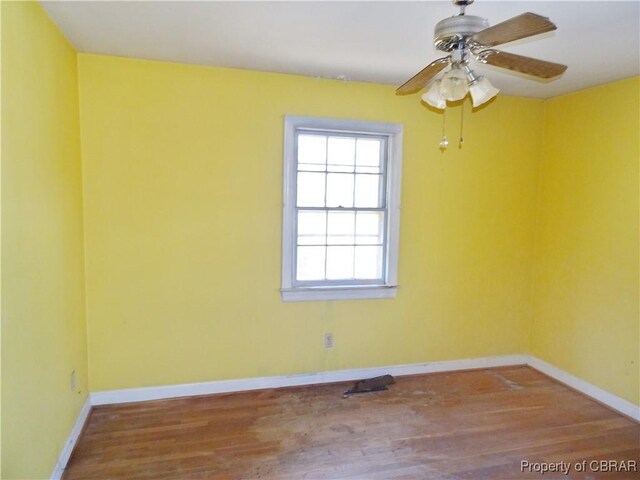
x,y
341,209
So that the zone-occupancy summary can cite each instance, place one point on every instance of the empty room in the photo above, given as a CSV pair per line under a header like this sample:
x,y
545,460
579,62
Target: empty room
x,y
320,240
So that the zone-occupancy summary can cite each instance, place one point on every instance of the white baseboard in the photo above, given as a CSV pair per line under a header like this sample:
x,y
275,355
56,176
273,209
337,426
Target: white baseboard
x,y
224,386
61,464
607,398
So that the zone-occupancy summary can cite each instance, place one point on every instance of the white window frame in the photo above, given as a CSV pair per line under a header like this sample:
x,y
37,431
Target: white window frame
x,y
393,134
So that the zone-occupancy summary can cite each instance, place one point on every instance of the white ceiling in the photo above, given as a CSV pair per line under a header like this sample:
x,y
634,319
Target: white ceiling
x,y
383,42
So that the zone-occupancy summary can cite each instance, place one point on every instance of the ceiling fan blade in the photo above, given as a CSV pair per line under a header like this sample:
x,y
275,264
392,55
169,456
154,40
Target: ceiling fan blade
x,y
518,63
522,26
421,78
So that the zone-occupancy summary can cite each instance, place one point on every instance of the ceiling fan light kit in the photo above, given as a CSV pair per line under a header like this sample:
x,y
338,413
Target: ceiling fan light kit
x,y
481,91
466,37
433,96
454,84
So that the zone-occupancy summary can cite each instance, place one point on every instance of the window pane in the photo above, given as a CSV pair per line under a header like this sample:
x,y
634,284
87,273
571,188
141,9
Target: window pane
x,y
310,189
312,149
340,168
310,263
368,190
312,228
341,228
368,153
368,262
341,156
369,228
339,263
367,169
312,167
339,190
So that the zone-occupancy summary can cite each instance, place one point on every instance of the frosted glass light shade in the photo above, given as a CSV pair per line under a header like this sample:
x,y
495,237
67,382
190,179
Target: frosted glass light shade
x,y
433,97
454,85
482,91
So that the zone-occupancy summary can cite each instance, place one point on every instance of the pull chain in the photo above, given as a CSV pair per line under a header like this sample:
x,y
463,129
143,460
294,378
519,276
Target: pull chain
x,y
461,141
444,143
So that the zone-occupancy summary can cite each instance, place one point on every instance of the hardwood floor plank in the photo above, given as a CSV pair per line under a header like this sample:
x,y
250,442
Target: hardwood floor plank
x,y
474,424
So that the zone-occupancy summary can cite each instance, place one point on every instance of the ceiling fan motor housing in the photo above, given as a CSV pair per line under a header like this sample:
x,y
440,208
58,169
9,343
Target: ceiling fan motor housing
x,y
451,31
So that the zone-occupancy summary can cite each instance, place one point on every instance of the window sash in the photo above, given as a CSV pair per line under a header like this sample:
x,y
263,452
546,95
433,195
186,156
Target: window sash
x,y
383,207
347,281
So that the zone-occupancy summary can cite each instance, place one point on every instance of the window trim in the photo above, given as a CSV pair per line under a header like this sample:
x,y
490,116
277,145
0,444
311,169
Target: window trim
x,y
394,133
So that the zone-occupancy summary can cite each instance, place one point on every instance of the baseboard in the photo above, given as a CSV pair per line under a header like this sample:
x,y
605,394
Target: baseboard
x,y
226,386
607,398
61,464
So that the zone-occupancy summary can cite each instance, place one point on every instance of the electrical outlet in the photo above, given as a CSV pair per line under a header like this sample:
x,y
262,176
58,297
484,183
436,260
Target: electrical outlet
x,y
328,340
74,381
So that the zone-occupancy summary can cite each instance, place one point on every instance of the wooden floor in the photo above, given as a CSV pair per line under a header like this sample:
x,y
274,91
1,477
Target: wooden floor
x,y
477,424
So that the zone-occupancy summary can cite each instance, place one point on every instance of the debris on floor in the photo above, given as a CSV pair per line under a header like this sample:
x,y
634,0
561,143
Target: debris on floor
x,y
375,384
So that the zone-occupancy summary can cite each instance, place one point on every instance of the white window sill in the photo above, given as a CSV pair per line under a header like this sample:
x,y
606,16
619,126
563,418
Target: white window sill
x,y
310,294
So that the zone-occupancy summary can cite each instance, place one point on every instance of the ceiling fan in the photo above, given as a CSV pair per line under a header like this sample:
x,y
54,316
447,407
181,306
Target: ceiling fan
x,y
466,36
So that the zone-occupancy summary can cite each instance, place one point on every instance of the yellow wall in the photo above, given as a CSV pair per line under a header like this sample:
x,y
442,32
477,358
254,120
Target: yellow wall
x,y
43,310
586,315
182,174
0,249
